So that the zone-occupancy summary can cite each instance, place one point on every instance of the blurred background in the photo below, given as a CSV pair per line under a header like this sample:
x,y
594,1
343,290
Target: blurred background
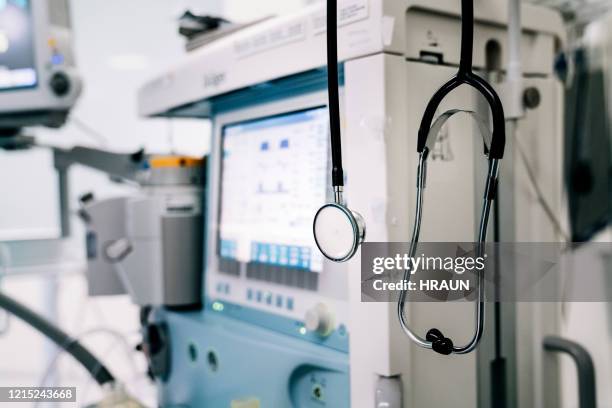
x,y
118,45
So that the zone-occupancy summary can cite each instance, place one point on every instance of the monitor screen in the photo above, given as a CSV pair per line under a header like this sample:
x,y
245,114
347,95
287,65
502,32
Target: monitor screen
x,y
17,64
273,180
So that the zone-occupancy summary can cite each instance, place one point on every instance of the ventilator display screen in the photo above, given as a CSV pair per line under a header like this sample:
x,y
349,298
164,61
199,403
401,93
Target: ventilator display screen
x,y
17,63
273,180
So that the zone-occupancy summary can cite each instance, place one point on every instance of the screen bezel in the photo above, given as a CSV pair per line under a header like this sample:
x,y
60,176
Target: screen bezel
x,y
306,101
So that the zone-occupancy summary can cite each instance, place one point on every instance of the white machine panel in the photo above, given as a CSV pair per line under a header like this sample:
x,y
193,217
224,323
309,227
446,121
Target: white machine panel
x,y
366,27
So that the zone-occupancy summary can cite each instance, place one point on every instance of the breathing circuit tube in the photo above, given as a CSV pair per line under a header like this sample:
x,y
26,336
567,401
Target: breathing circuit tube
x,y
72,346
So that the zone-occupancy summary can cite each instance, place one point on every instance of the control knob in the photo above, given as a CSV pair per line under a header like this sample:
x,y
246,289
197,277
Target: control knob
x,y
320,320
60,84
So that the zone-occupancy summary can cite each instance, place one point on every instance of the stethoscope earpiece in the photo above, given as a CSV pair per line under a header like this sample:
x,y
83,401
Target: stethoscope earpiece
x,y
439,343
338,231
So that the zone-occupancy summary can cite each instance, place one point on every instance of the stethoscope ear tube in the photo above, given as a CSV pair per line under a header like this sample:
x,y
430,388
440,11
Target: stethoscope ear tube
x,y
498,135
435,339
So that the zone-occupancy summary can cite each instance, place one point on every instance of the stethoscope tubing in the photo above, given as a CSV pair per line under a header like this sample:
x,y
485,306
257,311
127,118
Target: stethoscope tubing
x,y
333,97
482,236
494,151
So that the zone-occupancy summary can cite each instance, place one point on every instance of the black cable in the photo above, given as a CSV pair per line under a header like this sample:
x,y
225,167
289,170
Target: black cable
x,y
332,90
498,363
467,36
72,346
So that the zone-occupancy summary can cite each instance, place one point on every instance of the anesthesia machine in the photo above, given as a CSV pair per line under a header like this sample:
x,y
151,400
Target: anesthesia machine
x,y
281,325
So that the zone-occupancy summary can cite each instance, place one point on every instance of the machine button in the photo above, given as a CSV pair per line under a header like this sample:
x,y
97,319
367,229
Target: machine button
x,y
290,303
320,320
60,84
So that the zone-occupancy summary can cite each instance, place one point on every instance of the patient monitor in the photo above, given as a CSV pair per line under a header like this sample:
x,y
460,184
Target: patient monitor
x,y
266,206
270,297
38,83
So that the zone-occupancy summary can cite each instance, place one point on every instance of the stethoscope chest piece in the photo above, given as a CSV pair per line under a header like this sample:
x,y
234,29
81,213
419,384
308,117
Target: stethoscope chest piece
x,y
338,231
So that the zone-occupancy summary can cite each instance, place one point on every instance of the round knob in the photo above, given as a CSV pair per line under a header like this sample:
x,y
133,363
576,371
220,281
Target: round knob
x,y
319,320
531,97
60,83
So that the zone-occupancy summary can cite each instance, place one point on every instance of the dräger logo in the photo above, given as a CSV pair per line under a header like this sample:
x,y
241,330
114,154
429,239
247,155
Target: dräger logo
x,y
213,80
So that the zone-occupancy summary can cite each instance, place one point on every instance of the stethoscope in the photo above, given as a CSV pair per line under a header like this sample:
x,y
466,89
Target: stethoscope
x,y
339,231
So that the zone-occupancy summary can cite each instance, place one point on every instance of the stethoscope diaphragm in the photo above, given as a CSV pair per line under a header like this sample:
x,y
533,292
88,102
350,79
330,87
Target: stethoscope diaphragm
x,y
338,231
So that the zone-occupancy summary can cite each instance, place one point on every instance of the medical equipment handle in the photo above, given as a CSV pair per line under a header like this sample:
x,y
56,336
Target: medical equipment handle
x,y
97,370
587,392
332,90
466,76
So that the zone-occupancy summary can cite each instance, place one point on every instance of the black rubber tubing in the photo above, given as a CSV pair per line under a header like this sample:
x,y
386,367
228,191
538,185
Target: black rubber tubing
x,y
97,370
465,76
332,91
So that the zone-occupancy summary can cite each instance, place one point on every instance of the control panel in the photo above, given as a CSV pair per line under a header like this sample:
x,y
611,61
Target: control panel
x,y
272,176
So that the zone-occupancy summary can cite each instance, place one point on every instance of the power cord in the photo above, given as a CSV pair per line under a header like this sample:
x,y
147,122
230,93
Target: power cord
x,y
555,222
